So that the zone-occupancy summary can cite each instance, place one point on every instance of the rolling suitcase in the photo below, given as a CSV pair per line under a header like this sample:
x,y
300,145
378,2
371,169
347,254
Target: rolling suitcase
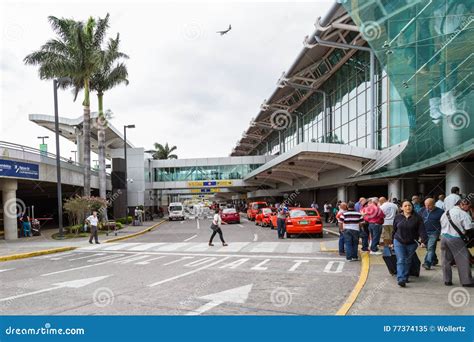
x,y
390,260
415,266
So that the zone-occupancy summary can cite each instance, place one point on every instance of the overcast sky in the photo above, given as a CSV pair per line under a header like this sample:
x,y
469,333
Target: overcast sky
x,y
189,86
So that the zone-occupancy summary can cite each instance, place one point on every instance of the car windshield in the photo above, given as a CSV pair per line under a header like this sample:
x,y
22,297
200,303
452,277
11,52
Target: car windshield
x,y
302,213
229,211
266,211
176,208
259,205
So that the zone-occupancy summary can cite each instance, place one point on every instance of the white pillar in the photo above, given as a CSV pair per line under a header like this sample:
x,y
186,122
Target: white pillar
x,y
10,208
460,175
394,189
342,193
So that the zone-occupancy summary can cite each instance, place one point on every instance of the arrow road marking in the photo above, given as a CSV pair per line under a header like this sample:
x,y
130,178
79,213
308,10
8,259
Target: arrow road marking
x,y
238,295
74,284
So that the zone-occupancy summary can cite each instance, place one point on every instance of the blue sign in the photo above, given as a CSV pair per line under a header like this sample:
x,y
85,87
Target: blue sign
x,y
11,168
209,183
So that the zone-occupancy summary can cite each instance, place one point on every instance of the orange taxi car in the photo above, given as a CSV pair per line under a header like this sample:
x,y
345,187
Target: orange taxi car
x,y
304,221
253,208
263,217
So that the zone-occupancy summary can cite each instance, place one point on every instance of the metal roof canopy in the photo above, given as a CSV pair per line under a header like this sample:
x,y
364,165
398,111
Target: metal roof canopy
x,y
70,128
307,73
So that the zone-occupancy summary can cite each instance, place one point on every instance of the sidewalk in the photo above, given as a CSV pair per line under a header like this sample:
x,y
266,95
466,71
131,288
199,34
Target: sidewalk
x,y
426,295
45,241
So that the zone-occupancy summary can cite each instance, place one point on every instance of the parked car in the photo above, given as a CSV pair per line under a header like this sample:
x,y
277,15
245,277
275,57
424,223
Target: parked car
x,y
253,209
230,215
304,221
176,211
263,217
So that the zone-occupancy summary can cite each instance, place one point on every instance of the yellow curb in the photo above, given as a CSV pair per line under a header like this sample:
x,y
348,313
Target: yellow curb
x,y
36,253
323,248
141,232
364,273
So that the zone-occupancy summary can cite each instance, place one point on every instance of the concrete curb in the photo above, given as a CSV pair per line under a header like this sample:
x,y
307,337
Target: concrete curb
x,y
35,253
146,230
364,273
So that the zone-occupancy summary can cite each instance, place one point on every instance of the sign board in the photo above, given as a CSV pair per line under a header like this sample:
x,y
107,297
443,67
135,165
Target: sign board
x,y
11,168
210,183
205,190
44,149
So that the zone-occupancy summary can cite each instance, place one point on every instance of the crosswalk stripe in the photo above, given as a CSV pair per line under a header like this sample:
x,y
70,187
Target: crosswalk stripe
x,y
300,247
171,247
233,247
116,246
198,247
264,247
146,246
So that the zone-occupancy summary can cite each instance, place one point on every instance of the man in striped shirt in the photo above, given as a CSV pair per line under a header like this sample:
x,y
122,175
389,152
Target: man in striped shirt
x,y
351,220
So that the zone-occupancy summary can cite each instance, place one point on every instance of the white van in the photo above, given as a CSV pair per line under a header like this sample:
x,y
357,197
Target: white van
x,y
176,211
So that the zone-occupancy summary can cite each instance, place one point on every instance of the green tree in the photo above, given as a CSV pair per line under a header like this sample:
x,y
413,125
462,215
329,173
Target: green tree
x,y
164,152
75,53
111,73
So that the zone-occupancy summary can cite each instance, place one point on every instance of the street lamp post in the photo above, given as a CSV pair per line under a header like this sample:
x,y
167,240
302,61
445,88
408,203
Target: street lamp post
x,y
125,158
42,139
56,84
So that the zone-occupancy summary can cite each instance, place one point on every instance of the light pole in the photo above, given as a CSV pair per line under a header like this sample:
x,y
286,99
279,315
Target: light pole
x,y
56,84
42,139
125,158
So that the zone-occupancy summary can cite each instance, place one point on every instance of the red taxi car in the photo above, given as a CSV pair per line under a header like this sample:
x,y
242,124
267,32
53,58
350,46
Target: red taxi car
x,y
230,215
263,217
304,221
253,209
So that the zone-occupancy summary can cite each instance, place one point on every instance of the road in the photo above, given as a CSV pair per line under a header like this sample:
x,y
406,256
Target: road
x,y
172,271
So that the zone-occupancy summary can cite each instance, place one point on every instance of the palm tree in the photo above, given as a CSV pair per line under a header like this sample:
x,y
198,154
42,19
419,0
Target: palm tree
x,y
111,74
76,54
164,152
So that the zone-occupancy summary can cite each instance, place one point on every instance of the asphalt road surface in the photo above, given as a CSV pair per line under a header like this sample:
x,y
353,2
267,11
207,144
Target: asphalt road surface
x,y
172,271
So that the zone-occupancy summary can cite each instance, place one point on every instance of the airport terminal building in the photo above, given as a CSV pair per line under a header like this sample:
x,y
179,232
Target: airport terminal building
x,y
379,101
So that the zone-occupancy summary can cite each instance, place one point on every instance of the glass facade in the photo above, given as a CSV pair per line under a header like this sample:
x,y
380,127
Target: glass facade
x,y
426,50
198,173
348,111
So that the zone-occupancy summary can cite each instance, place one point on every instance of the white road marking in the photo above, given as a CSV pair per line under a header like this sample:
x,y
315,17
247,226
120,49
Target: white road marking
x,y
197,224
259,267
106,258
146,262
75,284
192,237
145,246
6,269
239,295
198,247
340,265
171,246
235,264
296,265
255,237
178,260
129,260
241,226
264,247
300,247
188,273
60,256
86,266
182,222
199,262
85,257
117,246
233,247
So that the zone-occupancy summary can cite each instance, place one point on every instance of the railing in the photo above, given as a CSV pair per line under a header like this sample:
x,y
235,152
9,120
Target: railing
x,y
7,147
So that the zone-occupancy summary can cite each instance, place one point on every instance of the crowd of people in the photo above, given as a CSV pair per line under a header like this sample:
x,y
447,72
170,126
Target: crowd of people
x,y
403,226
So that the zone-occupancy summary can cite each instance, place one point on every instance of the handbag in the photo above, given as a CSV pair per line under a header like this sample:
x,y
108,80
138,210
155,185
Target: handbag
x,y
467,237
